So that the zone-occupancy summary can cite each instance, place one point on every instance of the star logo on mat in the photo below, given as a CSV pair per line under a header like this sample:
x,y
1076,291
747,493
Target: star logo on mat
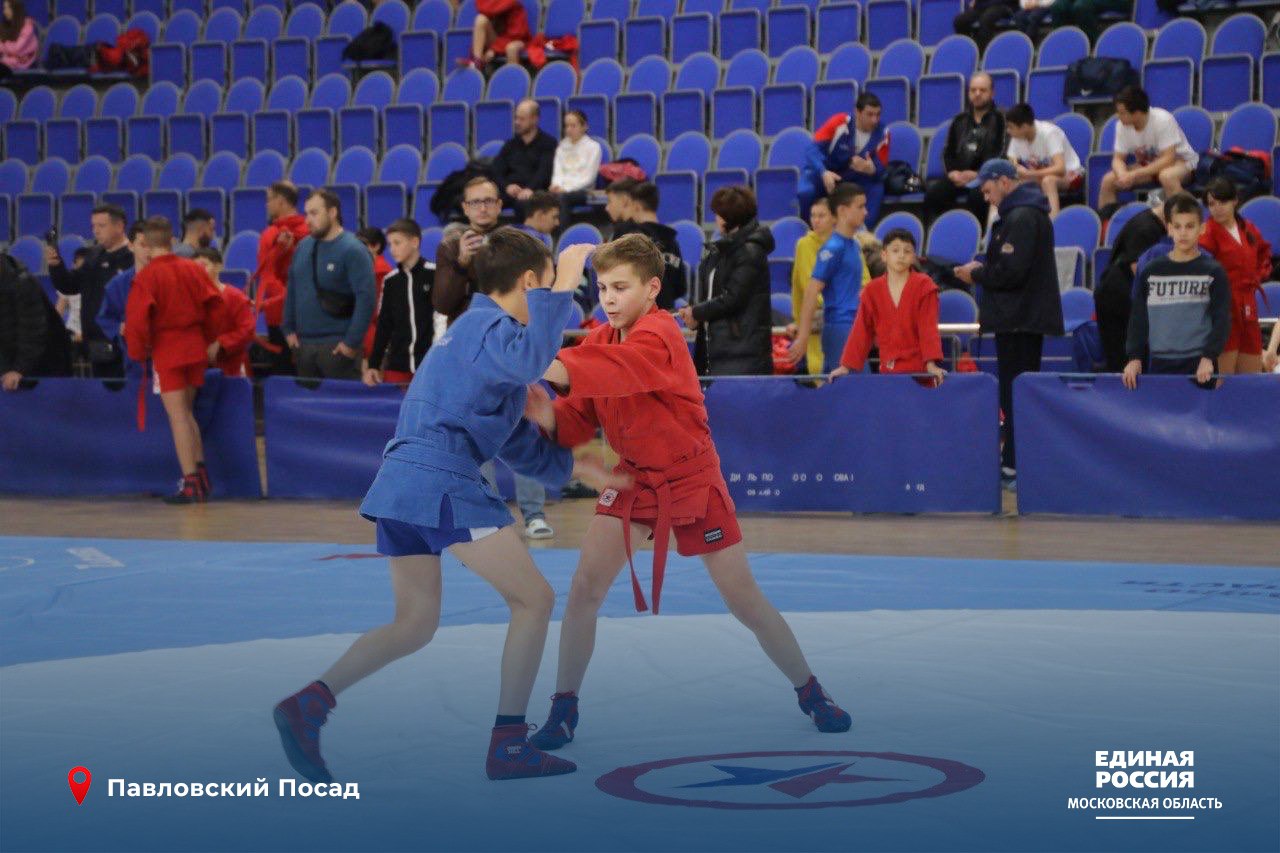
x,y
794,783
804,779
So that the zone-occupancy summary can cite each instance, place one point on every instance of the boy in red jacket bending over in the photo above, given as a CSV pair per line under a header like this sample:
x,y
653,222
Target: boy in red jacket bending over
x,y
230,352
634,378
173,314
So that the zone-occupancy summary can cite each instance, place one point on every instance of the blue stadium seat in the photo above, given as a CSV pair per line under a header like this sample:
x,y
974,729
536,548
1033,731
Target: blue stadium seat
x,y
788,148
901,219
941,92
35,209
358,124
13,182
347,19
636,108
1175,56
936,17
1249,126
209,61
264,169
1045,91
80,101
582,232
431,238
1077,307
1226,78
355,168
402,122
314,125
1077,226
563,18
739,31
954,237
1123,40
449,122
850,62
508,83
310,168
831,97
465,85
229,129
1079,132
683,111
492,121
64,30
677,195
700,71
555,80
183,27
466,14
8,105
179,172
692,153
62,139
242,251
1008,61
443,161
273,127
776,192
644,37
385,200
1269,84
135,175
691,34
896,76
223,25
887,21
1062,47
787,231
550,118
798,65
598,39
665,9
741,150
1119,219
787,27
222,171
645,150
732,108
1241,33
168,64
749,68
432,15
102,28
419,49
905,145
395,14
703,7
29,251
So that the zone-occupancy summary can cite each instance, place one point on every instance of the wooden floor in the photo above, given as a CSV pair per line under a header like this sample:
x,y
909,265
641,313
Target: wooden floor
x,y
1004,537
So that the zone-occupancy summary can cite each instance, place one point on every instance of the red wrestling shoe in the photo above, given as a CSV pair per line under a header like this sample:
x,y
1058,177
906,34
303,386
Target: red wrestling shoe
x,y
511,756
190,491
203,473
298,719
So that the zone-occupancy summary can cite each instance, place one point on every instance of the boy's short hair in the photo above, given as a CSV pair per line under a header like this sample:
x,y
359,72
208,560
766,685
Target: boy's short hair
x,y
158,231
736,205
477,181
407,227
138,227
645,194
844,194
208,253
1182,202
373,237
196,214
900,235
866,99
622,186
1133,98
505,255
114,211
286,190
1020,114
541,200
635,249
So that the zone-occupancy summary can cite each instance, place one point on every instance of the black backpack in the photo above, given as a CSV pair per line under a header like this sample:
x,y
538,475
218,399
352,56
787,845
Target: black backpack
x,y
375,42
1246,170
901,179
1098,76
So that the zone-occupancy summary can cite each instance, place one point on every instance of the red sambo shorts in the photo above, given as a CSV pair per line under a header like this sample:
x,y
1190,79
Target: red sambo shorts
x,y
715,531
166,379
1246,332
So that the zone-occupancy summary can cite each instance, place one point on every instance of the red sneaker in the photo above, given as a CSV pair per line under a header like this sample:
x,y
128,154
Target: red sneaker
x,y
190,491
298,720
511,756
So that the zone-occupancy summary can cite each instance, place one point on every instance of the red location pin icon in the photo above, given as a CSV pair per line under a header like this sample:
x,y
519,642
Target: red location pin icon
x,y
79,788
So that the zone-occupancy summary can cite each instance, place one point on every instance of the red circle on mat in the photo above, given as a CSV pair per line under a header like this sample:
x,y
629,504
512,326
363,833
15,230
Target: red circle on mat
x,y
957,777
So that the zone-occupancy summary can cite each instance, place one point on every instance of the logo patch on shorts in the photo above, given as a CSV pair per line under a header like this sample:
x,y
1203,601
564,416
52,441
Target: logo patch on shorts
x,y
608,496
713,535
1007,249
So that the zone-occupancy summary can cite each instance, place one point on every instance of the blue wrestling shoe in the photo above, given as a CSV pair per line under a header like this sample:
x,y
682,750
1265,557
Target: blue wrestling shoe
x,y
561,722
512,757
298,719
826,714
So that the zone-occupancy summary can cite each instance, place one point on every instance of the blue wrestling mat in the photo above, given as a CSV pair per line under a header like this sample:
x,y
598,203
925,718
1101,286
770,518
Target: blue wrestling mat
x,y
983,693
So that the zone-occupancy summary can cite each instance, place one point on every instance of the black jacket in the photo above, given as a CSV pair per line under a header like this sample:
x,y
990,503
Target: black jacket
x,y
970,143
33,340
405,322
1138,234
528,165
1019,278
675,280
90,281
733,312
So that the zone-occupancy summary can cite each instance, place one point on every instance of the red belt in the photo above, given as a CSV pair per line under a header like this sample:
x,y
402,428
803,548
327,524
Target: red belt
x,y
659,483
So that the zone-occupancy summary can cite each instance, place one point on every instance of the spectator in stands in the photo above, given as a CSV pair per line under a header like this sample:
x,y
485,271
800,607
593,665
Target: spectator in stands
x,y
837,277
376,242
1043,155
1156,142
1019,300
1112,294
116,296
197,233
330,296
1031,17
848,148
898,313
542,216
1237,244
19,46
1181,304
275,253
1085,14
500,26
636,203
173,314
68,307
731,310
823,222
982,19
33,341
455,277
975,136
229,351
577,164
109,256
526,160
405,327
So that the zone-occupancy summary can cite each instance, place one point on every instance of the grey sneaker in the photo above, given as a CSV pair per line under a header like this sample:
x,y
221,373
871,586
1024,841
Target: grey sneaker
x,y
537,528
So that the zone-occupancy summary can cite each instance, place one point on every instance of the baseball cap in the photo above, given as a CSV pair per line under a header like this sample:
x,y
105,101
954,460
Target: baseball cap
x,y
997,167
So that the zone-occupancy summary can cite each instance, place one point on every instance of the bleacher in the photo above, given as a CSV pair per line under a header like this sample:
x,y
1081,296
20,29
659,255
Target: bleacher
x,y
702,93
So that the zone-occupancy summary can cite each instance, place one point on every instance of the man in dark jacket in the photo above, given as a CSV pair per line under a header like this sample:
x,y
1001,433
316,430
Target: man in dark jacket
x,y
974,137
732,312
33,341
1019,278
1112,297
109,256
526,160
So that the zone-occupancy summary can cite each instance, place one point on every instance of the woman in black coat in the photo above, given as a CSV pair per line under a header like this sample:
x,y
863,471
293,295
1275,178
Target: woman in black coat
x,y
33,340
732,312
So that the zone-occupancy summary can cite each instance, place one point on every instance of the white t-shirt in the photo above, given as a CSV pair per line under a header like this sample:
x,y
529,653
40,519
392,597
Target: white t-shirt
x,y
1161,132
1039,153
576,165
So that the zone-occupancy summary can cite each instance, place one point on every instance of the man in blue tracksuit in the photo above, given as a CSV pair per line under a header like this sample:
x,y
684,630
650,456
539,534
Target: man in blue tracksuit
x,y
847,148
331,295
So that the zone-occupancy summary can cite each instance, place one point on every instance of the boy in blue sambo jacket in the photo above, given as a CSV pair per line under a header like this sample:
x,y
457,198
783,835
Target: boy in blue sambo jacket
x,y
464,407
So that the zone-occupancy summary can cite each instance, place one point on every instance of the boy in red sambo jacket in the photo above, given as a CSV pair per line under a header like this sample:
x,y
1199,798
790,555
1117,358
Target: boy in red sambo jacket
x,y
634,377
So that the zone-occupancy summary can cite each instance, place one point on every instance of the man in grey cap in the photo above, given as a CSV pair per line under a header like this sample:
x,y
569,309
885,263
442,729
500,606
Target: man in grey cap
x,y
1019,301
